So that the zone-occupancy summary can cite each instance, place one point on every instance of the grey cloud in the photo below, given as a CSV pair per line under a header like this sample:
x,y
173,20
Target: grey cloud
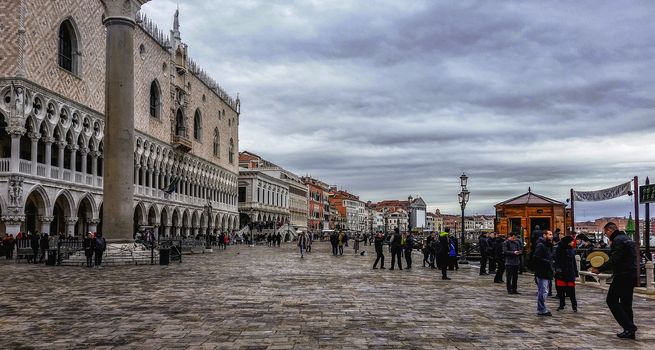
x,y
393,98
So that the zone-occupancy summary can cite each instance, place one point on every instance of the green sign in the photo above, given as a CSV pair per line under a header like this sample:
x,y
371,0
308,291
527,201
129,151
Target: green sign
x,y
647,194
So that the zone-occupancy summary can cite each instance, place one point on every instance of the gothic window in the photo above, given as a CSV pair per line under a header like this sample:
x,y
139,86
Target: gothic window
x,y
197,125
67,47
231,155
217,143
154,99
180,130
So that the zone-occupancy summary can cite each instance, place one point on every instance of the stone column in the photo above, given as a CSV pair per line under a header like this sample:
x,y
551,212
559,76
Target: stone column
x,y
92,225
70,225
48,154
73,149
144,170
45,223
13,223
156,179
119,117
15,150
34,150
94,165
84,152
62,149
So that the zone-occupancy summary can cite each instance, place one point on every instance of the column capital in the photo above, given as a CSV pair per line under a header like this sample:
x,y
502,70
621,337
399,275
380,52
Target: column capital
x,y
16,130
34,136
121,10
95,154
71,220
93,221
13,219
84,151
46,218
49,140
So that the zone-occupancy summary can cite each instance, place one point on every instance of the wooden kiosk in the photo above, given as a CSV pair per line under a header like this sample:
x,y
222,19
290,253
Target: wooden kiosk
x,y
521,214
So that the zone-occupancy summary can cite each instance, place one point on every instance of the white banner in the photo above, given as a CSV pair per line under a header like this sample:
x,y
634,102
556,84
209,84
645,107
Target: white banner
x,y
603,195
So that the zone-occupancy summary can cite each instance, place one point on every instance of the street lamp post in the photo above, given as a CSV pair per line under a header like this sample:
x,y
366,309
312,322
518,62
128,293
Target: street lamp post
x,y
463,199
386,220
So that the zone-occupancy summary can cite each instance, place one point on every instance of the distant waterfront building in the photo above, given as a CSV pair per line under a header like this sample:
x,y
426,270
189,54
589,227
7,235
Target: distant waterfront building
x,y
318,205
414,208
270,196
350,208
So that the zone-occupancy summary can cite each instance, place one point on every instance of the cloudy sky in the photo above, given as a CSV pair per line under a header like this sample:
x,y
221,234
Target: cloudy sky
x,y
391,98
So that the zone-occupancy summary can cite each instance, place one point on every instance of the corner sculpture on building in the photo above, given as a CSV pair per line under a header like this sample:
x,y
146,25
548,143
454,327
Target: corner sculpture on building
x,y
53,126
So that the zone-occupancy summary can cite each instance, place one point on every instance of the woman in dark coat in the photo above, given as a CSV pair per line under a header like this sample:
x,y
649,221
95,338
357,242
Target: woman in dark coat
x,y
87,244
566,271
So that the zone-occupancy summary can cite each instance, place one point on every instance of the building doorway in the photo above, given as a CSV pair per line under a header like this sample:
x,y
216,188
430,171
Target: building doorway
x,y
544,223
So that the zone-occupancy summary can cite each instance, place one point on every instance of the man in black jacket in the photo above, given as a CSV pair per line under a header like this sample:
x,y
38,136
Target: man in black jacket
x,y
534,239
379,241
396,249
543,270
483,245
500,258
623,262
410,241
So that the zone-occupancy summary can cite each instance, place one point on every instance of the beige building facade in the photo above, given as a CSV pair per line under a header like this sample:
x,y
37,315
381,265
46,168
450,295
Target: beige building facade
x,y
52,85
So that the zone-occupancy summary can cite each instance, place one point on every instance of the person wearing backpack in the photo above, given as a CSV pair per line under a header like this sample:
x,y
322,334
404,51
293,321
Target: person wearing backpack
x,y
99,247
443,253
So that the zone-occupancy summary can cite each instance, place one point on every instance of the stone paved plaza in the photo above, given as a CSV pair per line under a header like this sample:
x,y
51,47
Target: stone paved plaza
x,y
268,298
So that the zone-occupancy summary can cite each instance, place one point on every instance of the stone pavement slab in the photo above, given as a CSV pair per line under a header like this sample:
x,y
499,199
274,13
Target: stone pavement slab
x,y
269,298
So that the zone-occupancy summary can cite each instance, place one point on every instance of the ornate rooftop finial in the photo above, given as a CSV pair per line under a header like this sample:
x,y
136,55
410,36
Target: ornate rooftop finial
x,y
529,189
176,24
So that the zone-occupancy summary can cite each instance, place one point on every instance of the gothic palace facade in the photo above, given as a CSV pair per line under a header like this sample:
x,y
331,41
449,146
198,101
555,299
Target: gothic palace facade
x,y
52,86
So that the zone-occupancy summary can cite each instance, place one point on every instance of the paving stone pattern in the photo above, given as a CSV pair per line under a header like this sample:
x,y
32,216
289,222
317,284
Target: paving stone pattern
x,y
269,298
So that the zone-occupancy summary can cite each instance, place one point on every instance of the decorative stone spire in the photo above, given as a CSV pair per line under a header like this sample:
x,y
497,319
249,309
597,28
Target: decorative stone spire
x,y
176,24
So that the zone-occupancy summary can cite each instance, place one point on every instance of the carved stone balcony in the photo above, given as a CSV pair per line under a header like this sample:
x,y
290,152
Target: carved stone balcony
x,y
182,143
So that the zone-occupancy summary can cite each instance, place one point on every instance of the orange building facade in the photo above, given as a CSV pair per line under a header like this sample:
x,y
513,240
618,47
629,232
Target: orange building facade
x,y
521,214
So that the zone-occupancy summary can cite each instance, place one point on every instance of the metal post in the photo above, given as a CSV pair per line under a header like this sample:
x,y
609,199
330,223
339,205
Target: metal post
x,y
572,215
637,243
647,226
462,259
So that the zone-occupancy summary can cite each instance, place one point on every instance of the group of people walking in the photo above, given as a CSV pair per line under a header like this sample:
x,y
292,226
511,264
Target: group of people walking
x,y
439,251
552,259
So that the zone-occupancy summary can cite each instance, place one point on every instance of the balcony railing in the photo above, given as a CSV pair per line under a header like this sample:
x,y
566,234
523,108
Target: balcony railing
x,y
4,164
25,166
182,143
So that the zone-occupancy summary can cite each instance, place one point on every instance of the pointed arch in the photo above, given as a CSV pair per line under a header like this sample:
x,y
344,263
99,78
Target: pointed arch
x,y
66,203
140,213
39,195
195,219
217,143
197,125
180,129
231,151
69,44
165,216
153,217
155,99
